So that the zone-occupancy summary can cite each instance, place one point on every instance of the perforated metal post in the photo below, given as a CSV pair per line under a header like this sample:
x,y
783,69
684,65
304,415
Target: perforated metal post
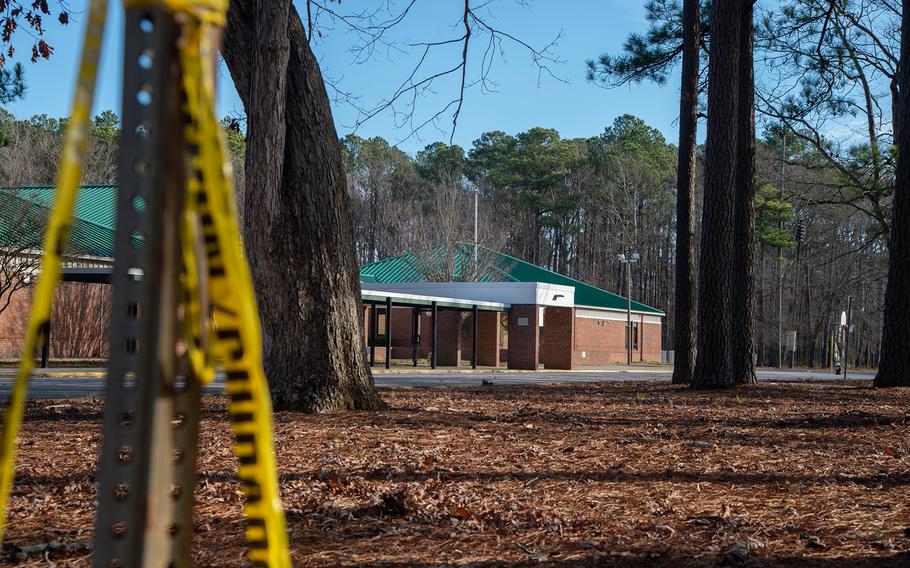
x,y
151,409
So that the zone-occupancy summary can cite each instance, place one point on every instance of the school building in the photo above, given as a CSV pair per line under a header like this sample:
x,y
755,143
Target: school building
x,y
518,315
515,314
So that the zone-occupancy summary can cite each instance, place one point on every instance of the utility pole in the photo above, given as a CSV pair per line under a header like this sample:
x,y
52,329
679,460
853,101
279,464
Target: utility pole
x,y
627,263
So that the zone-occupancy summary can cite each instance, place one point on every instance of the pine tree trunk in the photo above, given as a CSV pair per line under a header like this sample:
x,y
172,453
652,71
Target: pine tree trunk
x,y
685,314
742,284
894,368
713,365
298,228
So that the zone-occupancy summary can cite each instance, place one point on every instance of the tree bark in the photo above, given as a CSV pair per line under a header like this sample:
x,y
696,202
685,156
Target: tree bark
x,y
685,314
742,299
894,368
298,228
713,365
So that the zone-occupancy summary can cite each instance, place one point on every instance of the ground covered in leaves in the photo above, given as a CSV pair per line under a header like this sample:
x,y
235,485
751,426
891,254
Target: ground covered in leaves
x,y
624,474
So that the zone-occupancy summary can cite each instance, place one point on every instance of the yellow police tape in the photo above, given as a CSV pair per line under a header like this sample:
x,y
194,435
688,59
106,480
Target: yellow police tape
x,y
56,236
209,216
236,334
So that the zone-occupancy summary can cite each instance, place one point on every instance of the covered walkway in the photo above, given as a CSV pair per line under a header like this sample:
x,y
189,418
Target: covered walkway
x,y
420,318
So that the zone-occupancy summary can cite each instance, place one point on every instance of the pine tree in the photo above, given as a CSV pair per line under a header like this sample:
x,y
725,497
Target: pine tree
x,y
894,369
713,365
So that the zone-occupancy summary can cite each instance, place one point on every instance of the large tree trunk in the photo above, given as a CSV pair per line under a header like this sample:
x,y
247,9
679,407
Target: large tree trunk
x,y
298,229
894,368
713,367
685,314
742,285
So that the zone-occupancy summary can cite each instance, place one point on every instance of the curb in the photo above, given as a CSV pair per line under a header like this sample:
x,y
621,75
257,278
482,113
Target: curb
x,y
60,375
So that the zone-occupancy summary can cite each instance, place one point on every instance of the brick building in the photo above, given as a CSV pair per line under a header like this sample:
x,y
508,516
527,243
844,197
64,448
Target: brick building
x,y
527,317
79,320
517,314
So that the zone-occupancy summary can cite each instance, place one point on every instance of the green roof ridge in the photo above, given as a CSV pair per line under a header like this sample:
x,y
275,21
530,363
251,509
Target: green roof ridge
x,y
585,294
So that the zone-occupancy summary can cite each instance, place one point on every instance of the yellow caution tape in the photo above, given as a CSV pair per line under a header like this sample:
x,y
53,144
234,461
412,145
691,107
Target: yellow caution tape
x,y
222,273
69,177
236,335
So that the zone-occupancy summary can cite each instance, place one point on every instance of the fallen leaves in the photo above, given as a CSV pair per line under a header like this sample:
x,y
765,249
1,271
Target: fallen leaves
x,y
618,474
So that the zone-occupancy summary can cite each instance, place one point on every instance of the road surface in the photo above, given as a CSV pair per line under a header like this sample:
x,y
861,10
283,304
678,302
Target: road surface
x,y
76,383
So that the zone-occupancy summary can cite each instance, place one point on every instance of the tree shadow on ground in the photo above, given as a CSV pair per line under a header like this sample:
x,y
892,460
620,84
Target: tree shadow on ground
x,y
648,560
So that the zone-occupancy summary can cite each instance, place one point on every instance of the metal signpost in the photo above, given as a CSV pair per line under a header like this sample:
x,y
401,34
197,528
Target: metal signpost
x,y
182,298
151,414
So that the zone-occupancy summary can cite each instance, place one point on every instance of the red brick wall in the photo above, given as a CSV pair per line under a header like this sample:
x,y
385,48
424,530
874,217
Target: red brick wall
x,y
558,345
488,339
557,338
523,340
403,329
604,342
448,338
79,321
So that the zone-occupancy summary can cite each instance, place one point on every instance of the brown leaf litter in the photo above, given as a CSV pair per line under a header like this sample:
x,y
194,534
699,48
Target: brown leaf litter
x,y
622,474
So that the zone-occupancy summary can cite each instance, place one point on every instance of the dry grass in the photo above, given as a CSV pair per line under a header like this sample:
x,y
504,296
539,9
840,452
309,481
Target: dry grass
x,y
571,475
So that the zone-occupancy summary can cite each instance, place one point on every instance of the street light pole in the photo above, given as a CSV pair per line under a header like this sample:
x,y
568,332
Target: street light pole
x,y
627,263
629,312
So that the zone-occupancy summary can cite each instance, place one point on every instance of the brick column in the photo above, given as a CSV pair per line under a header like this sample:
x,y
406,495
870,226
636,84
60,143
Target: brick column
x,y
488,339
524,337
448,338
559,329
402,329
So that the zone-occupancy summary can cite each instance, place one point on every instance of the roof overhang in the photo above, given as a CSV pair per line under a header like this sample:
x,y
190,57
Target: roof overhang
x,y
657,313
505,293
420,301
97,274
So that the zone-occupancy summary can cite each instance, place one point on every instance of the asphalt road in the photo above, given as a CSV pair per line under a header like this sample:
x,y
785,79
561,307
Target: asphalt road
x,y
88,383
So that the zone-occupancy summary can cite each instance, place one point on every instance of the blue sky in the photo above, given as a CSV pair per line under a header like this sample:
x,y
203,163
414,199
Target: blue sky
x,y
520,100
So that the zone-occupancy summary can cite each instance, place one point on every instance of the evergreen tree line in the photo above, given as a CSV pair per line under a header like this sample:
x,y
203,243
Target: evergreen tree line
x,y
572,205
827,91
828,84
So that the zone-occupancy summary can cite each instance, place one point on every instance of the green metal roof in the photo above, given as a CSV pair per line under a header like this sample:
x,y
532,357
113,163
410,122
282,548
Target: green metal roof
x,y
501,268
94,221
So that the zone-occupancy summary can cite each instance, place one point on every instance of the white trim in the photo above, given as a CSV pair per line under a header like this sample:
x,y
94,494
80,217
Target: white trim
x,y
587,312
427,300
509,293
602,309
